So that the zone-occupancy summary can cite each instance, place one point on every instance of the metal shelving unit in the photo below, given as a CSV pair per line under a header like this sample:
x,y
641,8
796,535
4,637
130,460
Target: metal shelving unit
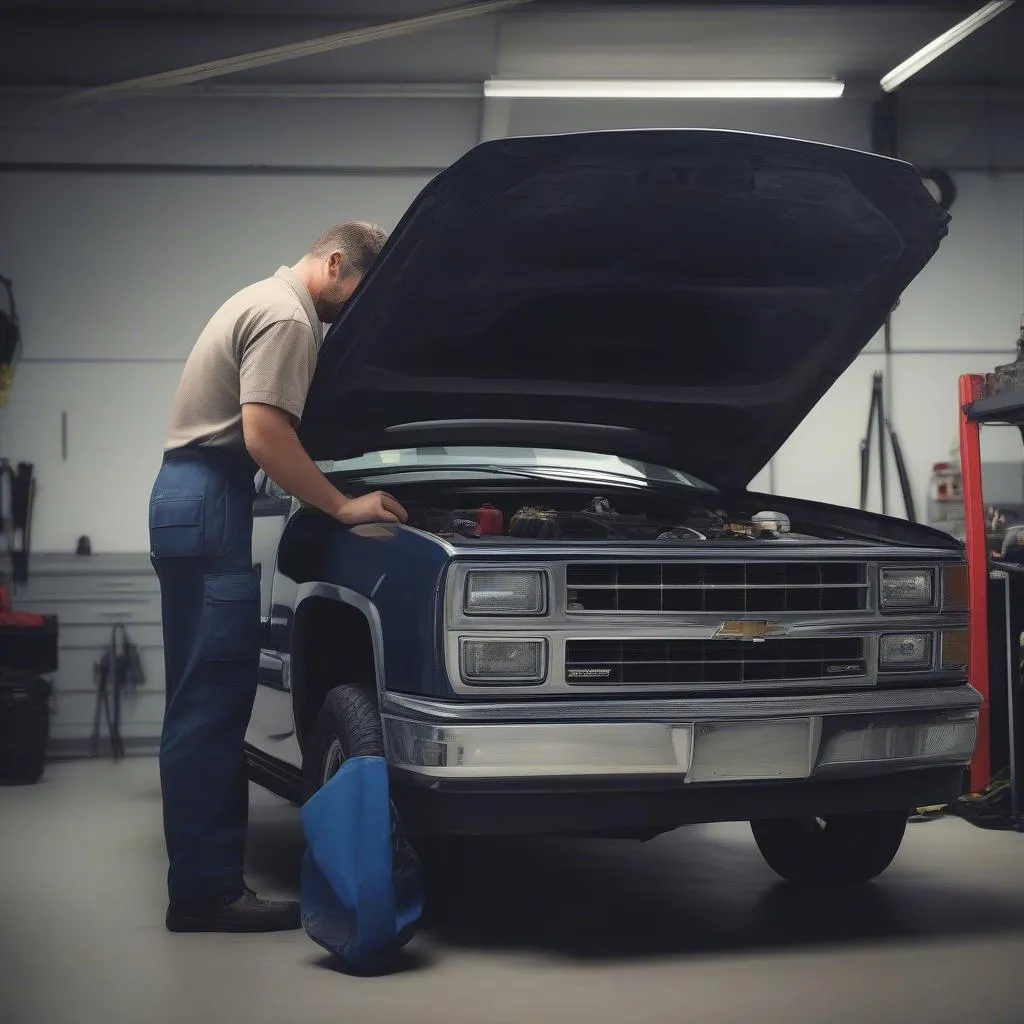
x,y
979,407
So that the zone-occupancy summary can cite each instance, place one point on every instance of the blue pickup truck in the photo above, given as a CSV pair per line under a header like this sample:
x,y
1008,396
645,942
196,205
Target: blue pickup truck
x,y
571,358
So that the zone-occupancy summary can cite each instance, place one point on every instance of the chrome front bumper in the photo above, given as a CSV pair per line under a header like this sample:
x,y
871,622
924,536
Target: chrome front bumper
x,y
729,739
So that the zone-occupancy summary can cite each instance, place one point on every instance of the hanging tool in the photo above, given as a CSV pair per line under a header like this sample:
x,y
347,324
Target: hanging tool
x,y
118,670
23,490
877,418
6,522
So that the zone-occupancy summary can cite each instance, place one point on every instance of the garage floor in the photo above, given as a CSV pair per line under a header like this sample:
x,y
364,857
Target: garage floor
x,y
691,927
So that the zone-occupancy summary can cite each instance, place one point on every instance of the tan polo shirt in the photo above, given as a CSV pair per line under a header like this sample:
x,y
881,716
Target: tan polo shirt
x,y
260,346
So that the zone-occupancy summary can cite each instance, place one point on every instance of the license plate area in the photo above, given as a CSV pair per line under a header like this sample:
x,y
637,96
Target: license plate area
x,y
751,751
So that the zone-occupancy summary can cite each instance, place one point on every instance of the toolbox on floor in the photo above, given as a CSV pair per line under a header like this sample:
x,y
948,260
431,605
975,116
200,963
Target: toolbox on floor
x,y
28,650
24,725
28,646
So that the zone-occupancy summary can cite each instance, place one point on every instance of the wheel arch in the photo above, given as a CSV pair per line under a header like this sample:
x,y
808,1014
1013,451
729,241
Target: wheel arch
x,y
336,639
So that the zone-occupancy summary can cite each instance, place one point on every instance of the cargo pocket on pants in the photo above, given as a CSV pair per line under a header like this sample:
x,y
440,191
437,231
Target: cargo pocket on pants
x,y
231,616
176,527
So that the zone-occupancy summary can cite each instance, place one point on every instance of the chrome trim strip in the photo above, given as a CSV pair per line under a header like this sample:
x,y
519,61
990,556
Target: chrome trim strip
x,y
561,750
623,625
448,549
723,586
332,592
603,550
947,698
792,748
556,684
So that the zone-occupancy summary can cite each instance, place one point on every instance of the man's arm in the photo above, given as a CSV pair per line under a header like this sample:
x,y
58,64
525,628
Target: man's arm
x,y
273,443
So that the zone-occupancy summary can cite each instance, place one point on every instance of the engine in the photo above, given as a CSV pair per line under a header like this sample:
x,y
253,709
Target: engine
x,y
600,520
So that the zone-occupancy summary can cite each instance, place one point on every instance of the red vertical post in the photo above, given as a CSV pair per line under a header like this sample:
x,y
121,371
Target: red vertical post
x,y
971,389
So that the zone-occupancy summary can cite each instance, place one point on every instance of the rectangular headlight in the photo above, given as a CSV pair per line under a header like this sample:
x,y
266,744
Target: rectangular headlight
x,y
504,592
498,662
901,652
907,588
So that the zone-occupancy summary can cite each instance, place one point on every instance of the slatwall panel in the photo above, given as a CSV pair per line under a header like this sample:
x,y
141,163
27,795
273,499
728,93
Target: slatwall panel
x,y
89,596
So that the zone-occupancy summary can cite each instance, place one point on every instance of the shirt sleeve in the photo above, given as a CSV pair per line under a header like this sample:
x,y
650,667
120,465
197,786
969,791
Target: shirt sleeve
x,y
277,366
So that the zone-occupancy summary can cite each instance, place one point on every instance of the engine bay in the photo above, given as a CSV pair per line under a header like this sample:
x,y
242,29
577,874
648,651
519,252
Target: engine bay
x,y
597,518
470,512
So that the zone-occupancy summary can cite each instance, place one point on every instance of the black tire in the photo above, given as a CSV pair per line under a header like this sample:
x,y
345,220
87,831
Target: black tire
x,y
348,725
839,850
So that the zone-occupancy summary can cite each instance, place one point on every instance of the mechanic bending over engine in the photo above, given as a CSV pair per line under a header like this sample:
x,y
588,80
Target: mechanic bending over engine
x,y
239,401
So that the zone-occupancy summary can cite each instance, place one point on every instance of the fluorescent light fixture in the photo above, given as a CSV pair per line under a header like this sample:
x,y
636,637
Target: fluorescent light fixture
x,y
938,46
667,89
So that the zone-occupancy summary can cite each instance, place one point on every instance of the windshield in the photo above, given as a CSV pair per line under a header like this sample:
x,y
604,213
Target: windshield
x,y
555,460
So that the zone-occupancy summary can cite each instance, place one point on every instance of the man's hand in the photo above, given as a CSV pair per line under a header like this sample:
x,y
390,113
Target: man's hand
x,y
376,507
272,442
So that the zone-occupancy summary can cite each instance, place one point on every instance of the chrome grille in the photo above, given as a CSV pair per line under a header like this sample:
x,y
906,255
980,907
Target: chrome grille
x,y
638,662
733,587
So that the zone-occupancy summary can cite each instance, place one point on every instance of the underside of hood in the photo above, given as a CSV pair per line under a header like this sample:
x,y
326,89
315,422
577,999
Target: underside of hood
x,y
681,296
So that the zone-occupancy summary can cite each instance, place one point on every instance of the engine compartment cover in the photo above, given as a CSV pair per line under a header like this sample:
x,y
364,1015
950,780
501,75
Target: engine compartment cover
x,y
684,297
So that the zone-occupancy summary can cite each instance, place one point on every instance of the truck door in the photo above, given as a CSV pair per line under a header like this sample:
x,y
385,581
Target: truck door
x,y
272,727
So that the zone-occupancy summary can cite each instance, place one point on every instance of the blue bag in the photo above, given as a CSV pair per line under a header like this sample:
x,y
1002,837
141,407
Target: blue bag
x,y
361,895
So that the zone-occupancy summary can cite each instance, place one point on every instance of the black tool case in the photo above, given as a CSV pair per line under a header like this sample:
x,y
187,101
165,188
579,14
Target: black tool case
x,y
24,725
26,653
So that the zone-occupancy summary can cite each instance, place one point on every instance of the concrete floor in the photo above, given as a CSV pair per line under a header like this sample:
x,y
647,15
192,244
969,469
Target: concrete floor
x,y
691,927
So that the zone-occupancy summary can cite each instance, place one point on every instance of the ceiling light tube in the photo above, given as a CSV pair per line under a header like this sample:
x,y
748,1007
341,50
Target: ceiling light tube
x,y
668,89
938,46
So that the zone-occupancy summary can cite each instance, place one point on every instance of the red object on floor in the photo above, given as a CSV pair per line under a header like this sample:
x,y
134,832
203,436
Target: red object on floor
x,y
23,620
971,389
12,618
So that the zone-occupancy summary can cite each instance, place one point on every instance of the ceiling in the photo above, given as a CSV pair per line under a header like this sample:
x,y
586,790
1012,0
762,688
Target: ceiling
x,y
67,43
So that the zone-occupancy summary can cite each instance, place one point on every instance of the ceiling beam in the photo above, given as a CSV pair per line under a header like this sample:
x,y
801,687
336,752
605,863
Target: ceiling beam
x,y
941,44
291,51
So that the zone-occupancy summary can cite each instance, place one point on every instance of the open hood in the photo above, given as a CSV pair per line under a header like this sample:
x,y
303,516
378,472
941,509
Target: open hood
x,y
683,297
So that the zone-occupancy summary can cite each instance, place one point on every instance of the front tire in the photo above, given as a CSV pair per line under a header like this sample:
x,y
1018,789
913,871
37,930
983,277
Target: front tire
x,y
839,850
348,725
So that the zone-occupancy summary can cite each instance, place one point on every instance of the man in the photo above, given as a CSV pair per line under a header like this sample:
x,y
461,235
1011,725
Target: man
x,y
239,401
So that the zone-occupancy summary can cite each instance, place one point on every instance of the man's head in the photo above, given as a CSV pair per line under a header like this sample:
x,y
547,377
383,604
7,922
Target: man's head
x,y
336,263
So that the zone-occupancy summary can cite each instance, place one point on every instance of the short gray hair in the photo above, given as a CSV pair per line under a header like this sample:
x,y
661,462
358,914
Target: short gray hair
x,y
360,243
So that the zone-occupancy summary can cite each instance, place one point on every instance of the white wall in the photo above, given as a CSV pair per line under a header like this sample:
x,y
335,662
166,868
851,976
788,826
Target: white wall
x,y
116,273
274,128
111,308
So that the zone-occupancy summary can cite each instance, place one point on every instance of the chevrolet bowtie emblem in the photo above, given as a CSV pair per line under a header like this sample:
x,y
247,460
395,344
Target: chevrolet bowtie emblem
x,y
749,629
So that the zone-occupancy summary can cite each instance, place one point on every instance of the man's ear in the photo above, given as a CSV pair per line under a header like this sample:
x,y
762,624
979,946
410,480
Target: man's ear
x,y
335,262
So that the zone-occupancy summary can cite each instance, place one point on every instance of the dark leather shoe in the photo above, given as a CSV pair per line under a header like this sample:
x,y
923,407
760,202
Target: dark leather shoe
x,y
245,912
